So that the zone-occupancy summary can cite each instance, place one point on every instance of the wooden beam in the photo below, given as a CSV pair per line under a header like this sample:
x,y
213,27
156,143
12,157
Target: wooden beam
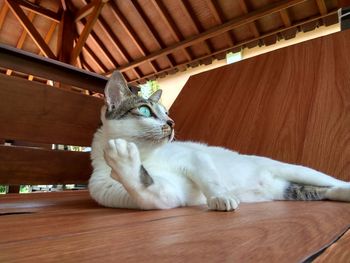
x,y
189,16
3,13
169,22
131,33
39,10
114,40
322,7
285,18
48,38
214,10
253,27
239,44
105,52
151,30
86,31
95,59
29,63
29,27
220,29
21,39
66,35
84,11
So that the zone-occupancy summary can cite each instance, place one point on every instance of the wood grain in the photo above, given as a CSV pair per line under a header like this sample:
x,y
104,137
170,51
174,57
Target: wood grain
x,y
291,104
39,113
339,251
22,165
69,226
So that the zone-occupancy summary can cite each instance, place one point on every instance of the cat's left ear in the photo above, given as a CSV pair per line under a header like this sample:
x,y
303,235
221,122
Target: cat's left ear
x,y
116,90
155,97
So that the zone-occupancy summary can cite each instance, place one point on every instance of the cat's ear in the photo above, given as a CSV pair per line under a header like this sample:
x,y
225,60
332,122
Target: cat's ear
x,y
155,97
116,90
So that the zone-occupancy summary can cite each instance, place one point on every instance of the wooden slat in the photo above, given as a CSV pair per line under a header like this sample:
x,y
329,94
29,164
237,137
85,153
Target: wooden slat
x,y
237,22
75,227
29,63
39,10
31,30
67,33
38,113
338,252
253,27
22,165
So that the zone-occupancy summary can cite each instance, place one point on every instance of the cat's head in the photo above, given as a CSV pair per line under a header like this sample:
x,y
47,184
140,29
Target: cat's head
x,y
133,118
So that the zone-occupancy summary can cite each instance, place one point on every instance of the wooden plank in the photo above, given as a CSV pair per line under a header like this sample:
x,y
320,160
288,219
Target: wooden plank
x,y
322,6
3,13
30,63
237,22
285,18
29,27
253,26
75,227
84,11
22,165
338,252
67,33
39,10
86,31
39,113
295,112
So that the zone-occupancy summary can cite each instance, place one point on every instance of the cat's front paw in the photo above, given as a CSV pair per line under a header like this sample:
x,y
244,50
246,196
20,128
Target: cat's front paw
x,y
123,157
223,203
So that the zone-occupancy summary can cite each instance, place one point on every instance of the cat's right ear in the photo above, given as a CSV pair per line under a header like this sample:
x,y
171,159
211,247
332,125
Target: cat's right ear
x,y
116,90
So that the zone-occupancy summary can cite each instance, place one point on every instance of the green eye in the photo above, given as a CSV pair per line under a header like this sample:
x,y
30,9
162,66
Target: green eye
x,y
145,111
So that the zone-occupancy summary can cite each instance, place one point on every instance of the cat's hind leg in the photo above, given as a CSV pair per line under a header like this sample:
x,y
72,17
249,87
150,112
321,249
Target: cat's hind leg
x,y
148,193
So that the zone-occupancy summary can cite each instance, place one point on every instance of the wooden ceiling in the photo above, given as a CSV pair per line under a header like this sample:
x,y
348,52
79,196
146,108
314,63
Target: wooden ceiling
x,y
147,39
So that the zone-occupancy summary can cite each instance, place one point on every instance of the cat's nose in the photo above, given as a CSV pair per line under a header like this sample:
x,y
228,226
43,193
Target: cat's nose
x,y
171,123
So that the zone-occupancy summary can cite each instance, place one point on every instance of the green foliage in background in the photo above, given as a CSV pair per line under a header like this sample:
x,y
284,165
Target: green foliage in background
x,y
2,189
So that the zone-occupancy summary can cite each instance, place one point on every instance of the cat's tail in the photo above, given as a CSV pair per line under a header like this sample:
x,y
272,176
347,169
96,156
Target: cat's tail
x,y
303,183
296,191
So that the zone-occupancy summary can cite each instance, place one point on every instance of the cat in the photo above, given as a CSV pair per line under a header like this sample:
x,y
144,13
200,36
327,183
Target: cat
x,y
136,164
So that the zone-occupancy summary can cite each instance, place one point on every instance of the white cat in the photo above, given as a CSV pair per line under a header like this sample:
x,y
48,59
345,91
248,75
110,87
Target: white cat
x,y
136,164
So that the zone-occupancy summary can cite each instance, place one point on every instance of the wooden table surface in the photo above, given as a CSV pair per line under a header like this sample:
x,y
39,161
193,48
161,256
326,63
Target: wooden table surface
x,y
70,227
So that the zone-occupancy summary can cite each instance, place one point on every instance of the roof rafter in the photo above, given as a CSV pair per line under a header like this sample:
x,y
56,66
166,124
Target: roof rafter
x,y
117,44
39,10
162,11
322,7
217,30
253,27
47,39
3,13
29,27
21,39
214,9
131,33
189,15
241,43
95,58
84,11
153,33
86,31
285,18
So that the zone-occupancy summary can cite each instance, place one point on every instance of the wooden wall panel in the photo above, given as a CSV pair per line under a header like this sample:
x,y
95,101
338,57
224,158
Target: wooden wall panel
x,y
22,165
291,104
38,113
